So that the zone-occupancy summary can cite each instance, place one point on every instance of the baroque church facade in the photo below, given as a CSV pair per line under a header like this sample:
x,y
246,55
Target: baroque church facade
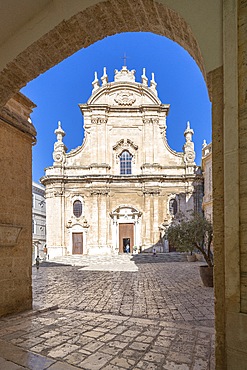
x,y
124,184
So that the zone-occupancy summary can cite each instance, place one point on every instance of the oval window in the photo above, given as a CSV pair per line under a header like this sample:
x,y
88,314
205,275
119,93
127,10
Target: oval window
x,y
77,208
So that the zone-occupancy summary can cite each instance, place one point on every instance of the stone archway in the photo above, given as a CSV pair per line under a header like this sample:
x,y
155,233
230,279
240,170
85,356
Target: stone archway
x,y
81,30
228,91
90,25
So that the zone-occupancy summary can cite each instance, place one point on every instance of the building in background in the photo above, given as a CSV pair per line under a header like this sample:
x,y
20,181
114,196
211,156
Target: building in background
x,y
38,220
207,204
124,184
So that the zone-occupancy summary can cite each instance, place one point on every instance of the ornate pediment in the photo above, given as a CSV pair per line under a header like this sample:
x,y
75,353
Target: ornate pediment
x,y
125,144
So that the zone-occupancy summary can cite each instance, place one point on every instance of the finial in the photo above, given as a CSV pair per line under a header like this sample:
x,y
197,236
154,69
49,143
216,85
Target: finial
x,y
95,82
144,77
59,132
188,132
153,84
104,78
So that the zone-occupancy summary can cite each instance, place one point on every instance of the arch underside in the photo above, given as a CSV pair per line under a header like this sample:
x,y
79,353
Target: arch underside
x,y
90,25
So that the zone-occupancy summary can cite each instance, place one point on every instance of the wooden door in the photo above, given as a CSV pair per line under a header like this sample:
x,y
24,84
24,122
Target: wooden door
x,y
77,240
126,235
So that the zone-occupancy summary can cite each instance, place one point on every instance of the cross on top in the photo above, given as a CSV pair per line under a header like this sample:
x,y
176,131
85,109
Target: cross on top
x,y
124,59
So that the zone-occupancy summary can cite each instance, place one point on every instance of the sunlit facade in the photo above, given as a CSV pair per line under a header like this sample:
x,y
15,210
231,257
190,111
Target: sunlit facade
x,y
124,184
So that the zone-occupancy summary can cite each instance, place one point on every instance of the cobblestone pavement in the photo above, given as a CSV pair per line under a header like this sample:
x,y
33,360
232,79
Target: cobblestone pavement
x,y
158,316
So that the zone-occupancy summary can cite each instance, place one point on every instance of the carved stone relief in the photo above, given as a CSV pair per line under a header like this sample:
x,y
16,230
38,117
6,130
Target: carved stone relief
x,y
125,98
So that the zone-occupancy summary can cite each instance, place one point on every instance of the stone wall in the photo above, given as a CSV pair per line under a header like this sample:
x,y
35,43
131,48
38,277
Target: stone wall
x,y
16,206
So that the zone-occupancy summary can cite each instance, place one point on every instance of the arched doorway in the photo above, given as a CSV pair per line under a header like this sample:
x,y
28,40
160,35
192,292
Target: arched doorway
x,y
126,228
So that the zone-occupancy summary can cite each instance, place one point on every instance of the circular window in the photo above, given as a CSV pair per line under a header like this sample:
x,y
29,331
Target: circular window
x,y
77,208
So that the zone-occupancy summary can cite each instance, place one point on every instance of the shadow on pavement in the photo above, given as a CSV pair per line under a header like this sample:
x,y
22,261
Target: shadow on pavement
x,y
143,258
51,264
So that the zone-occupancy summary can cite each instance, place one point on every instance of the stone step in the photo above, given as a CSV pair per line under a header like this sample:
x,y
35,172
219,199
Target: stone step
x,y
78,260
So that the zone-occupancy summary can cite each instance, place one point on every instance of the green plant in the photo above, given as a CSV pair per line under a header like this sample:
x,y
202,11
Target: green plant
x,y
192,233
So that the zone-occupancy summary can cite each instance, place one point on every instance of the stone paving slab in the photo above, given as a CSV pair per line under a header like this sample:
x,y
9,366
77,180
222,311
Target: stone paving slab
x,y
140,344
156,317
170,291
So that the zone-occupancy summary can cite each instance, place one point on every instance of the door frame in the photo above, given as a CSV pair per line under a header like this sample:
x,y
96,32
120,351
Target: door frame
x,y
75,233
130,237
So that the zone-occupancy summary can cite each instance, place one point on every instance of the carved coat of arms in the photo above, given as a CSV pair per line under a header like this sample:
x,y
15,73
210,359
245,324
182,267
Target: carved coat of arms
x,y
125,98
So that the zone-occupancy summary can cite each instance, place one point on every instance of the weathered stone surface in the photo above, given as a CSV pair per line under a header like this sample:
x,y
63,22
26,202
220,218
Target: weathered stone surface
x,y
15,249
92,337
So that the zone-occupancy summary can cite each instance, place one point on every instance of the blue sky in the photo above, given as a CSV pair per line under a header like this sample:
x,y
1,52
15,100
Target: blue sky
x,y
58,92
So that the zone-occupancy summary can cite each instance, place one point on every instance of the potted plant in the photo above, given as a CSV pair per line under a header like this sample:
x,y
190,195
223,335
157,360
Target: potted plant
x,y
192,233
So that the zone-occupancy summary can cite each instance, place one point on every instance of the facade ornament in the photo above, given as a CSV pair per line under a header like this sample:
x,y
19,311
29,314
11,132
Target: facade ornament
x,y
59,147
124,75
95,83
104,78
125,98
58,193
206,148
85,223
151,192
163,130
125,144
99,192
153,84
144,77
188,148
69,224
149,120
98,120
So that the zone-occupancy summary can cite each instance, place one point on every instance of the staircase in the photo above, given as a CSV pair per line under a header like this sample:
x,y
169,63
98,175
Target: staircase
x,y
121,259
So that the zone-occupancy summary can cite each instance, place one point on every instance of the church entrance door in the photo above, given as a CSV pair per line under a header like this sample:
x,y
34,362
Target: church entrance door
x,y
77,239
126,236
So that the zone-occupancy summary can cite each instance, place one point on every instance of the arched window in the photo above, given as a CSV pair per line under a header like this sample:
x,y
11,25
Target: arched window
x,y
77,208
173,207
125,163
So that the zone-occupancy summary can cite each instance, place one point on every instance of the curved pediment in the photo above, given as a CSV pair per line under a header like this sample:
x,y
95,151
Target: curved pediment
x,y
124,94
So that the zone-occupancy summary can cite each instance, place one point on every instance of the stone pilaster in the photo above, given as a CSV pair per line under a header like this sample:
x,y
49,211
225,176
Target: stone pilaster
x,y
16,138
216,78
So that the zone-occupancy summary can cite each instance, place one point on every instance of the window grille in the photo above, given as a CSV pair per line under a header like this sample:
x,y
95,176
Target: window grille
x,y
125,163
